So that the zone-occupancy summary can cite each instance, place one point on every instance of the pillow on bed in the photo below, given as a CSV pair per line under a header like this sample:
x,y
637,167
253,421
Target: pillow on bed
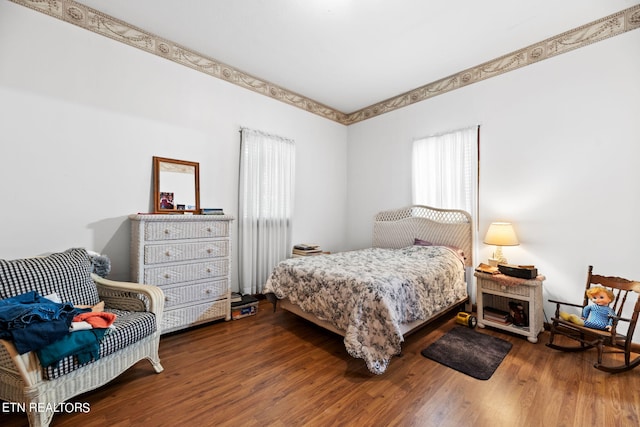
x,y
420,242
457,251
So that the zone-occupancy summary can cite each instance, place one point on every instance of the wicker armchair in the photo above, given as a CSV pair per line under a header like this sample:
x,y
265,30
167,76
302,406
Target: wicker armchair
x,y
37,390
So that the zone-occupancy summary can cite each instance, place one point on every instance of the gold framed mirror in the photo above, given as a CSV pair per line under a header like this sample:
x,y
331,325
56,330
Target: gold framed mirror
x,y
176,186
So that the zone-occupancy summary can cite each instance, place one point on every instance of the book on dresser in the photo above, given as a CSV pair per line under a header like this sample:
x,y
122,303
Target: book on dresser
x,y
212,211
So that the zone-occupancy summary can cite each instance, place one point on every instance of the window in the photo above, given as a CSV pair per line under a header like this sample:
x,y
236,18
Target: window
x,y
267,171
445,170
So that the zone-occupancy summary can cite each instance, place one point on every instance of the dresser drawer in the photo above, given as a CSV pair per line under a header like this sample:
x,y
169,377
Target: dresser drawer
x,y
170,274
196,314
195,292
519,290
171,252
165,230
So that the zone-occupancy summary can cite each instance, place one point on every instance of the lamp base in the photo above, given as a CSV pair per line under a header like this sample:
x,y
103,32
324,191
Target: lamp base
x,y
493,262
498,257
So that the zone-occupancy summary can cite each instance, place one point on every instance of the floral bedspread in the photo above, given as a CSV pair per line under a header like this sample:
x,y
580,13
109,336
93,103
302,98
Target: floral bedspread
x,y
368,293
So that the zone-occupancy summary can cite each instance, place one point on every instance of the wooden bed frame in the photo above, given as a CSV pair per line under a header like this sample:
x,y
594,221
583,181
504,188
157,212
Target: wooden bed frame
x,y
399,228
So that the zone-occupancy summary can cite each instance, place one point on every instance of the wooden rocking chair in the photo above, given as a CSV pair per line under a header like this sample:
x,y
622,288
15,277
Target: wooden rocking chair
x,y
604,341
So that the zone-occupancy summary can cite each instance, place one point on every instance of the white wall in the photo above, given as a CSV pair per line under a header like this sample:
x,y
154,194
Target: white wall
x,y
81,117
559,157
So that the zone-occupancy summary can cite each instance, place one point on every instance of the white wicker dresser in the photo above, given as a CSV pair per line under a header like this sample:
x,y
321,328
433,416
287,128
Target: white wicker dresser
x,y
188,257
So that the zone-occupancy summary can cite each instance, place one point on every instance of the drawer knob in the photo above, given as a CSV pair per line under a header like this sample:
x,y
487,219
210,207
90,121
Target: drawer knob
x,y
167,253
166,298
167,275
209,250
166,231
208,291
208,270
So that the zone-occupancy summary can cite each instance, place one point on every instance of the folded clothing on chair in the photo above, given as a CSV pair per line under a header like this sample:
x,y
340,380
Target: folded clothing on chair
x,y
100,319
85,345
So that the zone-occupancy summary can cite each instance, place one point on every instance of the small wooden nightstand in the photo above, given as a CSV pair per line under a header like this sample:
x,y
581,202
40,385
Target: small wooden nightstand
x,y
497,291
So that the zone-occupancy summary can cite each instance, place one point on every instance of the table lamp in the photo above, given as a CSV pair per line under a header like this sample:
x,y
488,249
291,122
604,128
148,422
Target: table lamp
x,y
500,234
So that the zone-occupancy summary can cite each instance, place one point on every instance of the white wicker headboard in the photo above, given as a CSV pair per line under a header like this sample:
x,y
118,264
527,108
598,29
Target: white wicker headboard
x,y
399,228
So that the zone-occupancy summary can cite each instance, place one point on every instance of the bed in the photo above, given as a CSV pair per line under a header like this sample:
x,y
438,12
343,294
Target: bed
x,y
374,297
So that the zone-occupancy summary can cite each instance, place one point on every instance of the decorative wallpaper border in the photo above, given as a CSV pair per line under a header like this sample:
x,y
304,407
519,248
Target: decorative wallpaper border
x,y
100,23
595,31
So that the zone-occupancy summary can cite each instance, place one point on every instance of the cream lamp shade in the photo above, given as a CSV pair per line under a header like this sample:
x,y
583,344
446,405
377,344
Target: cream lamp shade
x,y
500,234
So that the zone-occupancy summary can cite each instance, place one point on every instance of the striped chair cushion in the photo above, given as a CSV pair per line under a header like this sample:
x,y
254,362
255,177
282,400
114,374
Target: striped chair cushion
x,y
66,273
130,326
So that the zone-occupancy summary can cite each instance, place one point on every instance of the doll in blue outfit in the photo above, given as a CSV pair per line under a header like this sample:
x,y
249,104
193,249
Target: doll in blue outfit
x,y
598,314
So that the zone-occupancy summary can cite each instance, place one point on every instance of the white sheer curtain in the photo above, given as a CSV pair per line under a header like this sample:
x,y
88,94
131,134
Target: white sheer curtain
x,y
445,170
445,174
267,172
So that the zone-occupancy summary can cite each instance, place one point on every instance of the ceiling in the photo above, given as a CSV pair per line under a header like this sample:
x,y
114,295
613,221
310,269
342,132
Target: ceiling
x,y
350,54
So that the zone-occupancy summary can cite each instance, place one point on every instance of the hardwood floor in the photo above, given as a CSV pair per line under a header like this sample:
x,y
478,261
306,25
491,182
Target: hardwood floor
x,y
275,369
